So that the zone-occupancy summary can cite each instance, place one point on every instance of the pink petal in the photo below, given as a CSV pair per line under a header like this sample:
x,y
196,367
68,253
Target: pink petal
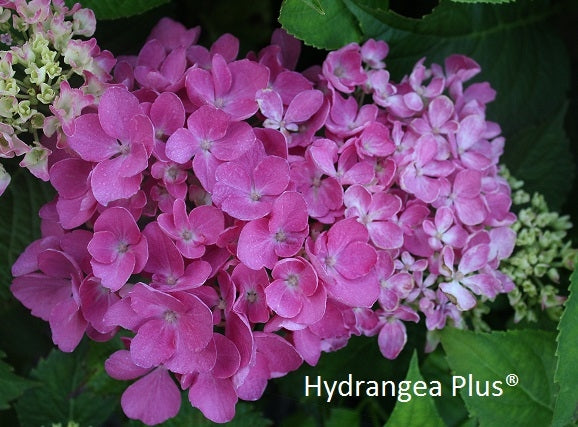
x,y
459,295
303,106
153,399
153,344
215,397
90,141
116,108
67,325
256,247
120,366
392,338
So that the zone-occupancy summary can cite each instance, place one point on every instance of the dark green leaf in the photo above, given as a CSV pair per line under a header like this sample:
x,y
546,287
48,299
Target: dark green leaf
x,y
566,408
114,9
451,408
245,416
330,30
483,361
342,417
19,221
540,156
484,1
72,390
418,411
11,385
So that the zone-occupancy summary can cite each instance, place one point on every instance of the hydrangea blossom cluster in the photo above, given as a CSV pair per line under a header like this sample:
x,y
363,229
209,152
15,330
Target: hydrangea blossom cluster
x,y
42,47
543,252
238,217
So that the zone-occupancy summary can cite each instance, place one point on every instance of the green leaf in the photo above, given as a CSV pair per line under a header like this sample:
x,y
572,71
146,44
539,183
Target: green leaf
x,y
333,28
451,408
72,389
483,361
114,9
19,221
566,408
11,385
245,416
484,1
420,410
540,156
342,417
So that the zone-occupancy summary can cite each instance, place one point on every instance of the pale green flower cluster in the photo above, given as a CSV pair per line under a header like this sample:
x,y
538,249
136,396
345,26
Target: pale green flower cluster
x,y
542,252
39,49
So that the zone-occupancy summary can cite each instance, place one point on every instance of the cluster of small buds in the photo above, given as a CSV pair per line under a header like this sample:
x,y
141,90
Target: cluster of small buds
x,y
542,252
238,217
43,46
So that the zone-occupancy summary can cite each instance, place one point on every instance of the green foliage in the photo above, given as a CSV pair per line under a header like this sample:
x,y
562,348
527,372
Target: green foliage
x,y
245,416
325,24
540,156
114,9
74,387
419,411
566,408
490,357
484,1
19,221
11,385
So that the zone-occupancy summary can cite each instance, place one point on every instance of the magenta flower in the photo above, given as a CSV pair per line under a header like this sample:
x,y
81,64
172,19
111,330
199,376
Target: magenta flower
x,y
342,68
465,279
264,240
251,286
52,293
152,399
274,357
422,176
343,260
393,334
211,138
301,108
443,231
229,87
192,232
376,212
294,293
466,198
247,187
346,118
119,139
167,266
118,248
174,330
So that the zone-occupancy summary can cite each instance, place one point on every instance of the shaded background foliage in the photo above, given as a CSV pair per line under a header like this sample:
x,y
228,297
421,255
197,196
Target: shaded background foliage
x,y
528,53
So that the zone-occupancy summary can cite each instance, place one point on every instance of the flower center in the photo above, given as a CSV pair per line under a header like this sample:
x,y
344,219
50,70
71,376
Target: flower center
x,y
122,247
292,280
170,316
251,296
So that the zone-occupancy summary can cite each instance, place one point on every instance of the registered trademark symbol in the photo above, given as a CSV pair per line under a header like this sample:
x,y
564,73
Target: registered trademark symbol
x,y
512,380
